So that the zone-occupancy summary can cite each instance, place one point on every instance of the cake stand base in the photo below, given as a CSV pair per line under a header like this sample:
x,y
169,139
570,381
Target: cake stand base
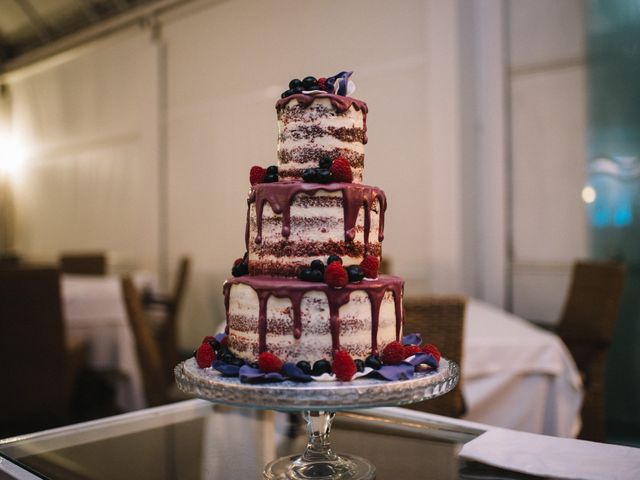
x,y
318,460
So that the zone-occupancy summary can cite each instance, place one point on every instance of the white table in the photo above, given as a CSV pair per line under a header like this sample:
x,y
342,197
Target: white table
x,y
94,311
518,376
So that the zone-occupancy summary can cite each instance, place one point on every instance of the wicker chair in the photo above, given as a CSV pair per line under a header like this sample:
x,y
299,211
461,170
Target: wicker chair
x,y
84,263
586,327
38,365
440,321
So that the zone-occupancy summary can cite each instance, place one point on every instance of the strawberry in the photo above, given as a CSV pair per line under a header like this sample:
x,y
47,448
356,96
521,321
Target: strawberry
x,y
205,355
343,366
433,350
257,174
410,350
370,266
269,363
393,353
335,275
341,170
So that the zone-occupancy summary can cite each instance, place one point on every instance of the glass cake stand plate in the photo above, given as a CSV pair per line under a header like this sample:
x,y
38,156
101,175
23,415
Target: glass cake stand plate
x,y
318,402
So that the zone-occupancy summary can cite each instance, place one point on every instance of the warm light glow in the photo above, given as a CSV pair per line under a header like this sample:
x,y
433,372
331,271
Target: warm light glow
x,y
13,154
588,194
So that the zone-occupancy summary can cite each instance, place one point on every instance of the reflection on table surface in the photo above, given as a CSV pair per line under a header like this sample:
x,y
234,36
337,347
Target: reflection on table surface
x,y
198,440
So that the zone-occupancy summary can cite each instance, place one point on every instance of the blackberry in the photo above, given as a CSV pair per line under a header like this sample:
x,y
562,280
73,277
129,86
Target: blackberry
x,y
309,83
323,175
316,276
270,178
359,365
272,170
305,274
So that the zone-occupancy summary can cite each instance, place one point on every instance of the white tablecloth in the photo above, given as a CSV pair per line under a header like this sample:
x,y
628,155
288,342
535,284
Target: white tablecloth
x,y
94,311
518,376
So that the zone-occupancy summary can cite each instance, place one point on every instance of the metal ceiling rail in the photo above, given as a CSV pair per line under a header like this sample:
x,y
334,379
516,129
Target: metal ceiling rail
x,y
93,32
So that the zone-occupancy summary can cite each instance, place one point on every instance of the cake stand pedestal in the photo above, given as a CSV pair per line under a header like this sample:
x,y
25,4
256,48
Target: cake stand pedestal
x,y
318,402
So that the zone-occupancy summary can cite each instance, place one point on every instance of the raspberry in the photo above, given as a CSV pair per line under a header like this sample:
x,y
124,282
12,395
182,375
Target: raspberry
x,y
343,366
370,266
322,83
410,350
433,350
269,363
205,355
257,174
393,353
341,170
208,339
335,275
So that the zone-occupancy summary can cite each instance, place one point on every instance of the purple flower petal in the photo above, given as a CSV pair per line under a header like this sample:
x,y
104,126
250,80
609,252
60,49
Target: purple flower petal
x,y
402,371
412,339
253,375
427,358
226,369
220,336
294,373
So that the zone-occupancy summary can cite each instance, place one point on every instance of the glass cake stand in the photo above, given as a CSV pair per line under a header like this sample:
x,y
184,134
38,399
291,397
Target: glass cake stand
x,y
318,402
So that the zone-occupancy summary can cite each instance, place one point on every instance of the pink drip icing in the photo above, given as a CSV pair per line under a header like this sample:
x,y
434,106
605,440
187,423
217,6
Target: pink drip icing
x,y
280,195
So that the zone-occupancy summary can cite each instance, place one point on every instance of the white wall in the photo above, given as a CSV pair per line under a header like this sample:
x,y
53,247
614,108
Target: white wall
x,y
548,127
90,179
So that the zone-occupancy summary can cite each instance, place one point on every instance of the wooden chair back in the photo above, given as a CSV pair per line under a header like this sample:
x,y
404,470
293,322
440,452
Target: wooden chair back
x,y
586,327
84,263
35,374
149,356
168,332
439,319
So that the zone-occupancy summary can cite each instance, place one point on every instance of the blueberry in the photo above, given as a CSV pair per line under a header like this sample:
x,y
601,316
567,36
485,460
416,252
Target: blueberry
x,y
304,366
355,273
228,357
316,276
296,82
296,90
333,258
359,365
373,362
310,175
320,367
305,274
309,83
325,162
254,365
317,265
272,170
270,178
323,175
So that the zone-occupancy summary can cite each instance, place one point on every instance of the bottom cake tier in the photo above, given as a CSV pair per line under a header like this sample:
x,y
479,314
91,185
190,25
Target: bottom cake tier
x,y
298,320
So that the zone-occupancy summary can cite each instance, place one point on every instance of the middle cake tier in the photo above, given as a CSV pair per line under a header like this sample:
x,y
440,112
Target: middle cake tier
x,y
290,224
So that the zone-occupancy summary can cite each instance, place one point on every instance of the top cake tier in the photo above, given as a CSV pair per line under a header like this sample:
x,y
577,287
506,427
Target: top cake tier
x,y
317,125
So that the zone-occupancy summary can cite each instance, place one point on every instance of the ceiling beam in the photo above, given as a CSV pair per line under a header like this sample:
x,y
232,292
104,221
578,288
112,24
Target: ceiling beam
x,y
42,29
88,10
